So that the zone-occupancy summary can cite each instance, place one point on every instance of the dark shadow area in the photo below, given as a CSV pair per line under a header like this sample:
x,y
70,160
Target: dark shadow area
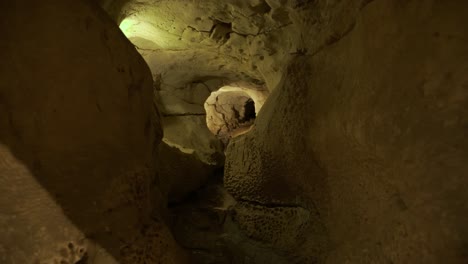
x,y
249,110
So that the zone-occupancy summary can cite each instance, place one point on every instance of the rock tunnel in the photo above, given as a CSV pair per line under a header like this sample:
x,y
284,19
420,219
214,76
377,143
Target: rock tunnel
x,y
233,131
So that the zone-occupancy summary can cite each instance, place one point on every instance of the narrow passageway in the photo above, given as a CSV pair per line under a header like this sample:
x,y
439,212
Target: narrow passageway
x,y
233,131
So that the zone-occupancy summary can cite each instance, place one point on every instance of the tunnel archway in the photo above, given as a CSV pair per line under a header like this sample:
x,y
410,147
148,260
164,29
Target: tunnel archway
x,y
232,110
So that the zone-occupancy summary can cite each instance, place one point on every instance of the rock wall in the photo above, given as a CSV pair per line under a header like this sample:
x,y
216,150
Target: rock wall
x,y
78,134
181,173
367,136
211,44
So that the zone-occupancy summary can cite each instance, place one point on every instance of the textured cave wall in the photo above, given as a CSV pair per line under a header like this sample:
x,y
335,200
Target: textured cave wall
x,y
365,141
225,113
183,119
228,40
78,137
208,45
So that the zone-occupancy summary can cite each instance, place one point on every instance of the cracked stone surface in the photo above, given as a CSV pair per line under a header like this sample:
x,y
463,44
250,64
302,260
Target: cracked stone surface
x,y
231,110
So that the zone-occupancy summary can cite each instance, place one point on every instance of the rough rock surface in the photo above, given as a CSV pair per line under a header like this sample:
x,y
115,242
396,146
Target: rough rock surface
x,y
77,134
228,111
232,39
191,51
368,133
204,225
359,155
268,171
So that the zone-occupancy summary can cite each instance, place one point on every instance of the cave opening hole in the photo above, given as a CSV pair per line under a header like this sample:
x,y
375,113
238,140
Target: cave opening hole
x,y
249,110
232,110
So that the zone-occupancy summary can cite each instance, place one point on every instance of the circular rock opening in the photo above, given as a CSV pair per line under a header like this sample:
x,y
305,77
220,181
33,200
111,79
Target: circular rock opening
x,y
231,111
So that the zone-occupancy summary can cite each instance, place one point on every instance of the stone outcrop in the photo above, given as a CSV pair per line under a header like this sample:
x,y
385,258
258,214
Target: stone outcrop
x,y
209,45
78,133
368,134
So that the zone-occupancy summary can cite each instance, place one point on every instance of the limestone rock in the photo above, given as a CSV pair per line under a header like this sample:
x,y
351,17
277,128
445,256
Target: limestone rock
x,y
231,110
369,131
77,132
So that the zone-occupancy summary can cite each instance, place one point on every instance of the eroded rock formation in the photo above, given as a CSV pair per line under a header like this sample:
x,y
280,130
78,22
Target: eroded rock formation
x,y
112,150
368,135
78,133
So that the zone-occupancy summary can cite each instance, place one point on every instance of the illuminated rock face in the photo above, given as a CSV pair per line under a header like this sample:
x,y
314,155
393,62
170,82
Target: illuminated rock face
x,y
192,53
228,112
231,111
236,40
